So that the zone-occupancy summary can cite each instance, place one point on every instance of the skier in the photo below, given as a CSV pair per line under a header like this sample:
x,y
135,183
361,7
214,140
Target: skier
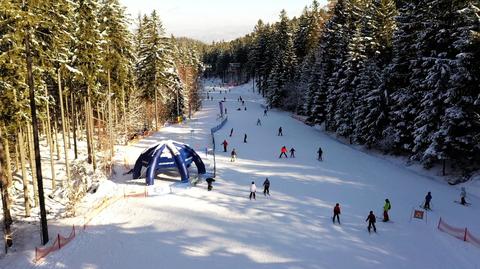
x,y
225,111
266,187
259,122
253,189
231,132
280,131
283,152
428,198
320,152
245,138
233,155
386,207
245,108
209,183
463,195
292,153
336,213
371,221
225,144
243,103
265,113
224,99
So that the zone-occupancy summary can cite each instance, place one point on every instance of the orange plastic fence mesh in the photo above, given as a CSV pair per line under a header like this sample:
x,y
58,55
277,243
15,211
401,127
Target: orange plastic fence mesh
x,y
472,239
453,231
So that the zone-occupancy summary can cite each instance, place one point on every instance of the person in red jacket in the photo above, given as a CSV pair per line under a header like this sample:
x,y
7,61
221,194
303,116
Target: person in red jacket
x,y
283,152
225,144
336,213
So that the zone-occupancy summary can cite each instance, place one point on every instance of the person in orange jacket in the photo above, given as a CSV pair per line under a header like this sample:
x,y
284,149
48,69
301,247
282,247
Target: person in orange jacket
x,y
283,152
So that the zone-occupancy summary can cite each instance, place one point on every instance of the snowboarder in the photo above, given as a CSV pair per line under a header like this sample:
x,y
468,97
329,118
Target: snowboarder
x,y
209,183
266,187
371,221
280,131
320,152
253,189
386,207
283,152
259,123
265,113
336,213
245,138
225,144
231,132
428,198
292,153
463,195
233,155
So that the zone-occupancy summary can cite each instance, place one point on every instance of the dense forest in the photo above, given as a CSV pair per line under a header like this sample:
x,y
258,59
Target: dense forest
x,y
398,76
73,72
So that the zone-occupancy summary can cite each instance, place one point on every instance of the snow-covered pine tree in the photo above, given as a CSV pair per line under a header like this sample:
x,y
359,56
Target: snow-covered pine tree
x,y
370,115
445,128
401,100
283,70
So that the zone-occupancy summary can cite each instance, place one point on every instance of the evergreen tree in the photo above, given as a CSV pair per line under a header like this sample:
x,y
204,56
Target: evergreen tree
x,y
283,70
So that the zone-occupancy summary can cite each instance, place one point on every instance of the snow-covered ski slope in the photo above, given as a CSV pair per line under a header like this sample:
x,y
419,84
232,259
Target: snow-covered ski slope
x,y
194,228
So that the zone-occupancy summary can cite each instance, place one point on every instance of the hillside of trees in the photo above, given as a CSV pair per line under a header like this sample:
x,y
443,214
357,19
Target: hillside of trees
x,y
398,76
73,72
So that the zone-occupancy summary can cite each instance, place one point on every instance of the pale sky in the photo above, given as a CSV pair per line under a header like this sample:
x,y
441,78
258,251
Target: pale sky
x,y
215,20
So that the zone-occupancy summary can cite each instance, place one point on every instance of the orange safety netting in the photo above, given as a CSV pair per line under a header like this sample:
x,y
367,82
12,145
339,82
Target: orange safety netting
x,y
60,241
460,233
453,231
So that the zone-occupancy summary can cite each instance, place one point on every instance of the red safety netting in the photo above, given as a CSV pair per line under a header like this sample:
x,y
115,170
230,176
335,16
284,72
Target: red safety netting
x,y
453,231
472,239
59,242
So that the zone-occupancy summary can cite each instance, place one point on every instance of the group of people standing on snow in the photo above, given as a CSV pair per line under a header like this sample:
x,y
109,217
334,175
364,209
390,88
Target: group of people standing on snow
x,y
266,189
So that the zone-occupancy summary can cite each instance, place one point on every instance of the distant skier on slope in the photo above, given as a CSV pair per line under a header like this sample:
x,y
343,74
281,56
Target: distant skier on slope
x,y
320,153
292,153
386,207
266,187
463,196
280,131
428,199
245,138
225,111
283,151
233,155
336,213
265,113
259,123
253,189
225,144
231,132
371,221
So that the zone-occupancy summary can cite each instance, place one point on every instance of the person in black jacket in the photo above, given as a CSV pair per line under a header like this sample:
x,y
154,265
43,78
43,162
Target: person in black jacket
x,y
320,152
245,138
292,153
371,221
266,187
428,198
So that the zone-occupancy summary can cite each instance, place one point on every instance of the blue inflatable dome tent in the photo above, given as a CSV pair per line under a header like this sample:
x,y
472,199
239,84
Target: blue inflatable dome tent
x,y
164,155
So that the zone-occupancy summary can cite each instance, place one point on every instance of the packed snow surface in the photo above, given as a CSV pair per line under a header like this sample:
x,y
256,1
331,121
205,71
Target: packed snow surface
x,y
180,226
